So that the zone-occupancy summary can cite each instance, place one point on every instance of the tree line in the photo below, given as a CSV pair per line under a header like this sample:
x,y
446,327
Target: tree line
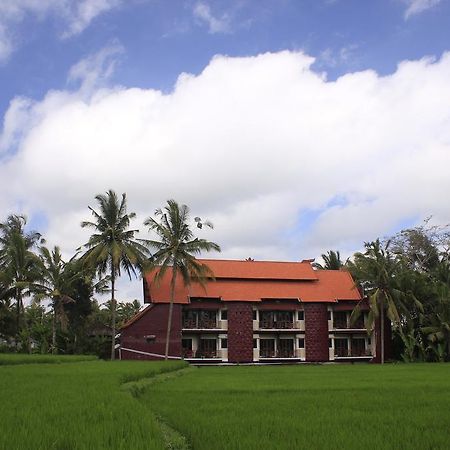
x,y
406,278
76,323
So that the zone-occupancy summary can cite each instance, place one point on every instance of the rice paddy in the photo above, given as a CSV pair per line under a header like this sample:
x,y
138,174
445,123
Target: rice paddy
x,y
309,407
93,405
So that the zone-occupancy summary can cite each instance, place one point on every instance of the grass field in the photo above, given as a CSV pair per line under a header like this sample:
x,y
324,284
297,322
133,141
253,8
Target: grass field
x,y
76,405
309,407
10,359
87,405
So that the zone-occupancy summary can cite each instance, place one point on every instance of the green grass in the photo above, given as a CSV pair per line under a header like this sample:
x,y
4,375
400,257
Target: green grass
x,y
309,407
153,405
77,406
19,358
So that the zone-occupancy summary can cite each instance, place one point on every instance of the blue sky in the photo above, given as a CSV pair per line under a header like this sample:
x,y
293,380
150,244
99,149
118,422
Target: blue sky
x,y
161,38
296,126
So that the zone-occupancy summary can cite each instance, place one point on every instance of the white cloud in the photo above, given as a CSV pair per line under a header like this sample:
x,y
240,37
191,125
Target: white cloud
x,y
95,69
74,15
203,13
251,143
418,6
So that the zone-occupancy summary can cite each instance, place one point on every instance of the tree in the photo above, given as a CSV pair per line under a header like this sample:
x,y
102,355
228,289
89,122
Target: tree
x,y
20,266
58,285
332,261
113,246
376,269
176,249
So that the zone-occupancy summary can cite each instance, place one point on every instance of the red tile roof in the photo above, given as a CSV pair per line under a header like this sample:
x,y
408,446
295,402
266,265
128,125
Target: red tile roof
x,y
260,270
258,280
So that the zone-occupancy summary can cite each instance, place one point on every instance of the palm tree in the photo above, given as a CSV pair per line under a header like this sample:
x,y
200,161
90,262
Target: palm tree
x,y
332,261
20,266
376,268
113,246
58,284
176,248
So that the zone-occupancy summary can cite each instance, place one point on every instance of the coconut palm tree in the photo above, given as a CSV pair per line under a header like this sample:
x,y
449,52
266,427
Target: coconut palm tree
x,y
20,266
332,261
176,249
376,268
57,285
113,246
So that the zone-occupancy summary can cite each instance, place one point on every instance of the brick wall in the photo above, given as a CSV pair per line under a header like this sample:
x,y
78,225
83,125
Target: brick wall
x,y
240,332
153,322
316,332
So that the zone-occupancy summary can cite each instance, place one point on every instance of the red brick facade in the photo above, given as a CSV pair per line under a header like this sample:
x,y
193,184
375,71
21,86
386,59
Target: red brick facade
x,y
240,332
292,312
153,322
316,332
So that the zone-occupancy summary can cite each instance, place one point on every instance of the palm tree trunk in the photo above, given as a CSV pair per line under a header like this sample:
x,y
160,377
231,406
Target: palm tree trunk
x,y
113,318
169,320
54,329
382,334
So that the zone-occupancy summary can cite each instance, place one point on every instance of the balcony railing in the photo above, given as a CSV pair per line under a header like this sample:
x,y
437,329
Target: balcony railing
x,y
357,353
276,324
192,324
278,354
344,325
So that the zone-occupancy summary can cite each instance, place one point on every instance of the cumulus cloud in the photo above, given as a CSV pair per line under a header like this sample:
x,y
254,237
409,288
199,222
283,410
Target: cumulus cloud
x,y
415,7
259,145
75,16
202,12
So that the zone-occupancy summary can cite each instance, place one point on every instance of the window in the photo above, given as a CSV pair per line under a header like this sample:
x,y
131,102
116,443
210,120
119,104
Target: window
x,y
369,342
267,348
255,314
330,343
224,314
329,315
286,348
341,347
301,343
340,320
301,315
224,343
186,344
255,343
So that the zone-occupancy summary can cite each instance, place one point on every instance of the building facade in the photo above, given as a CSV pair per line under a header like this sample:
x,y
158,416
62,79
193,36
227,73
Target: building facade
x,y
254,312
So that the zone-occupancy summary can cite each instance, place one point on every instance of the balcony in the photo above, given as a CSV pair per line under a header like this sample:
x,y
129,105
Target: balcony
x,y
276,324
345,353
276,320
201,320
341,321
280,354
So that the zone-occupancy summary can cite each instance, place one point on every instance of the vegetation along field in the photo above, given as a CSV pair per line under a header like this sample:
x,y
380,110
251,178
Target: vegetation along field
x,y
118,405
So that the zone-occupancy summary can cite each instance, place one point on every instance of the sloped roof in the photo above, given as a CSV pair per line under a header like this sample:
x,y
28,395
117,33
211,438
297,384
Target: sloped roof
x,y
260,280
260,270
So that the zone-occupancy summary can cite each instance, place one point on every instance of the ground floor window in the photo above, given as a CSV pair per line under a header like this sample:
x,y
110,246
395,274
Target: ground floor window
x,y
224,343
186,345
207,348
340,347
358,347
267,348
286,348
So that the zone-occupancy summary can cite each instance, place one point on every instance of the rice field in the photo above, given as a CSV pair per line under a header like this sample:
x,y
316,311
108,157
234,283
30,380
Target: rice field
x,y
77,405
89,404
309,407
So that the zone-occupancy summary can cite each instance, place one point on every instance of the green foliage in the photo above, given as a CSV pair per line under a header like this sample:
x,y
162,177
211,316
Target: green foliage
x,y
177,249
113,247
77,406
403,406
331,261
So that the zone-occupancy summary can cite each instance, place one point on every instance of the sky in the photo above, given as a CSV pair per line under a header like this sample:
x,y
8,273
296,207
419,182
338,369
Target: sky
x,y
295,126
